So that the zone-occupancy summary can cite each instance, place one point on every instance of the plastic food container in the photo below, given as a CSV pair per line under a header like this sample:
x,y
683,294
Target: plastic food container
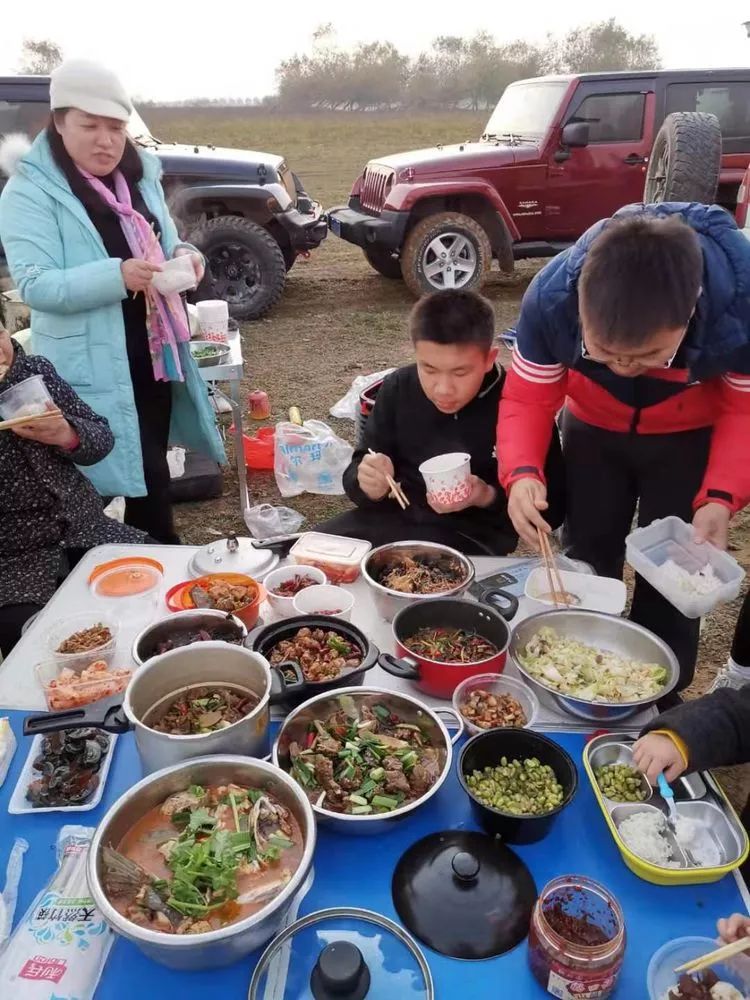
x,y
497,684
661,977
26,399
338,557
179,597
61,697
130,589
325,599
647,549
66,627
284,606
176,275
562,964
595,593
19,804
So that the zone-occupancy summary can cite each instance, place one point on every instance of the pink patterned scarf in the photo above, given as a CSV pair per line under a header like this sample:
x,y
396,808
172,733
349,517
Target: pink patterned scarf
x,y
166,322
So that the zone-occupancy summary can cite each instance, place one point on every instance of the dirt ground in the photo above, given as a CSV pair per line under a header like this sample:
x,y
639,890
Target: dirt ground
x,y
339,319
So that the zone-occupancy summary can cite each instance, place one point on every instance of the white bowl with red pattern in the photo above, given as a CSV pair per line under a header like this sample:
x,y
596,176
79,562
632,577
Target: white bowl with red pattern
x,y
447,478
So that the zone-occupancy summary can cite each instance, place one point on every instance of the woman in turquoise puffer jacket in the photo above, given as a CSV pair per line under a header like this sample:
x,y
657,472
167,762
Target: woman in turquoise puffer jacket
x,y
72,223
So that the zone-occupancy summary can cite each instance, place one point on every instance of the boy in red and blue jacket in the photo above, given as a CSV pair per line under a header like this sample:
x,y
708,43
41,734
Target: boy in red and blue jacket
x,y
641,331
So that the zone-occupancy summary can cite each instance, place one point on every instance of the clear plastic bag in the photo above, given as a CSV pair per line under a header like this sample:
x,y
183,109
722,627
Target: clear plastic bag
x,y
265,521
59,949
348,405
310,459
9,895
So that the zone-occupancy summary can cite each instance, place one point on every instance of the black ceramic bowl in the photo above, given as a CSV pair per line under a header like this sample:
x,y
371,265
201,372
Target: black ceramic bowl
x,y
486,749
296,688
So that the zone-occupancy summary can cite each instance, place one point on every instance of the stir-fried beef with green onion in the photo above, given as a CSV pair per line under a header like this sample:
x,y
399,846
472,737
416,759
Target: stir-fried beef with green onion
x,y
321,653
204,858
202,710
365,760
450,645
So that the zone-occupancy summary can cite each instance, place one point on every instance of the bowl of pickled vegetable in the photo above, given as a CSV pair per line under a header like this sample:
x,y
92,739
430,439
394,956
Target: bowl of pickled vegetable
x,y
518,782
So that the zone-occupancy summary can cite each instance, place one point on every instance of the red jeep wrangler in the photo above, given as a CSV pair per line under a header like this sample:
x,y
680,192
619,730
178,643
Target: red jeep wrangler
x,y
557,154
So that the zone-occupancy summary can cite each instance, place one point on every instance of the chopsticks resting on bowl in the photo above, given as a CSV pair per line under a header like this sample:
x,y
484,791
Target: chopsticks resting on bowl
x,y
396,492
557,591
6,425
717,955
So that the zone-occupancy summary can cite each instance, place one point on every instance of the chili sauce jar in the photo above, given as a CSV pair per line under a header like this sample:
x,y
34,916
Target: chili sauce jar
x,y
576,939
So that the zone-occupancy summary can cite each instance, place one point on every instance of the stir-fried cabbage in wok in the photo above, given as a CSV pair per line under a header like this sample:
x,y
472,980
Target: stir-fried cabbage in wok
x,y
571,667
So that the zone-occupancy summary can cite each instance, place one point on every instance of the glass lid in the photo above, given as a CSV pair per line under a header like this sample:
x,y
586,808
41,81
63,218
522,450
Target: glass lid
x,y
344,953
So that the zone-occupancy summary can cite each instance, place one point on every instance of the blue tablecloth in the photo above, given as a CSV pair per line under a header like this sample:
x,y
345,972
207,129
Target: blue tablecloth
x,y
356,871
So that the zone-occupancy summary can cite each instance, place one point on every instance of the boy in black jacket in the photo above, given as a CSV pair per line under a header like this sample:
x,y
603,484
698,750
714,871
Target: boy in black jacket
x,y
446,402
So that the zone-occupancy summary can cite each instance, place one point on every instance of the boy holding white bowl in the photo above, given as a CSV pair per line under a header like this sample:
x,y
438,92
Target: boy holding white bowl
x,y
446,402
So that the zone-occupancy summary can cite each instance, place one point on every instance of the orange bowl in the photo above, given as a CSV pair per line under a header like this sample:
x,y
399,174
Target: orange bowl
x,y
179,597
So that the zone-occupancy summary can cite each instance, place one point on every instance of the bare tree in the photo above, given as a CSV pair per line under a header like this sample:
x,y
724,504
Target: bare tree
x,y
601,47
39,56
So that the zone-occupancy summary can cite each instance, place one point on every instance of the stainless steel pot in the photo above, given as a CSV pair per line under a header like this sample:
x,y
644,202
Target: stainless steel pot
x,y
390,602
182,621
409,709
220,947
163,678
609,632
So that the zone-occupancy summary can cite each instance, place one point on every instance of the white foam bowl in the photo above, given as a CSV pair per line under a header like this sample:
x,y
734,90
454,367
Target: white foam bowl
x,y
282,606
325,598
596,593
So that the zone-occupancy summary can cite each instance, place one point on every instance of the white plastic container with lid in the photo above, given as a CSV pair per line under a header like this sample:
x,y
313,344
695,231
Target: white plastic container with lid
x,y
337,556
665,554
25,399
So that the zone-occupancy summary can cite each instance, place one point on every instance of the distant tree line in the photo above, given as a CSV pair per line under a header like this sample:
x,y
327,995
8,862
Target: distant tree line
x,y
455,72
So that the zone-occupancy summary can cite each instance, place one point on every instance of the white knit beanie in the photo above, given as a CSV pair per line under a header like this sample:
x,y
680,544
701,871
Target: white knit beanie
x,y
89,87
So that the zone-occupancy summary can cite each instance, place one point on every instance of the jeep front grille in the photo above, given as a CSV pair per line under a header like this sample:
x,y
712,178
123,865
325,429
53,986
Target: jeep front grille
x,y
376,184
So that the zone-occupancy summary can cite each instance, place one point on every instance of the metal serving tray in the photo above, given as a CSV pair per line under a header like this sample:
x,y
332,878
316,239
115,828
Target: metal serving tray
x,y
697,797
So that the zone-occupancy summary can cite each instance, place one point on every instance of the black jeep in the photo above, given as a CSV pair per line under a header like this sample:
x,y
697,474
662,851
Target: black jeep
x,y
246,211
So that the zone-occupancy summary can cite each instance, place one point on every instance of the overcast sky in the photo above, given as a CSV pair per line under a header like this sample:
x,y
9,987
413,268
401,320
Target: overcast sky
x,y
174,50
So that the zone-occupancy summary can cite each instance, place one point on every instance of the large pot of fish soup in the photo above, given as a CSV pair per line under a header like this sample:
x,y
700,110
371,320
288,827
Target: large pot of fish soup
x,y
130,831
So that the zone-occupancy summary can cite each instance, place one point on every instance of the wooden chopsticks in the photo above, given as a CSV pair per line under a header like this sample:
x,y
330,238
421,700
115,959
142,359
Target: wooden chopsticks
x,y
557,591
396,492
717,955
6,425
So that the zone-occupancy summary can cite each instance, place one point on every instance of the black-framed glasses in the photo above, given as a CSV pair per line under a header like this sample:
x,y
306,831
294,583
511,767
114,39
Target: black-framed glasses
x,y
628,362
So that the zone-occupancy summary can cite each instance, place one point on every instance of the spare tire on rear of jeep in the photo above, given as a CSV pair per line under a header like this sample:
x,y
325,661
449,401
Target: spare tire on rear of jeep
x,y
685,161
245,264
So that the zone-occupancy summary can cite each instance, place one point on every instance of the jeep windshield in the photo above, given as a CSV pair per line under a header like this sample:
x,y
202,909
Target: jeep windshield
x,y
525,111
139,131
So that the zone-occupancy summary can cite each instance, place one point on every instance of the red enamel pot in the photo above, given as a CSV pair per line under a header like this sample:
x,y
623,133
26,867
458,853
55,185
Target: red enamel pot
x,y
435,677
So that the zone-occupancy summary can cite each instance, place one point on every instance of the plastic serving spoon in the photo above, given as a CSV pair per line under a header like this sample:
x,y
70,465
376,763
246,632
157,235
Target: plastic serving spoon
x,y
668,795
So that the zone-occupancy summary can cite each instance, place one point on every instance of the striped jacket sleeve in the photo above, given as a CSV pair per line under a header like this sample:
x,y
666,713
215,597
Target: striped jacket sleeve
x,y
727,478
533,393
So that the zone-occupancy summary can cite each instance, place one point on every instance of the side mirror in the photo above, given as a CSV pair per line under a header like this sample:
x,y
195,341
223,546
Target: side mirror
x,y
575,135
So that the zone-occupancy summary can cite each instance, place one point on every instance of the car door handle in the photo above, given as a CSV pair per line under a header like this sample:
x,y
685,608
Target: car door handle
x,y
634,159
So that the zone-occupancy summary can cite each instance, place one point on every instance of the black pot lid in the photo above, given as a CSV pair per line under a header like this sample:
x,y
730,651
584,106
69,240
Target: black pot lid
x,y
233,555
344,953
464,894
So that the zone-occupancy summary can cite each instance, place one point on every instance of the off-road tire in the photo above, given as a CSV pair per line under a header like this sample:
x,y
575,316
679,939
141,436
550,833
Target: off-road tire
x,y
249,250
383,262
415,250
685,161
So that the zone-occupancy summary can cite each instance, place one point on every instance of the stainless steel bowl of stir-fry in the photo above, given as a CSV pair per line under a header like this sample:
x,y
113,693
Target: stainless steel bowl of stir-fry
x,y
404,572
591,665
366,757
200,863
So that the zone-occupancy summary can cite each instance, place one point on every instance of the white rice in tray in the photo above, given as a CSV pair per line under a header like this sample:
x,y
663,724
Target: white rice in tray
x,y
644,833
675,577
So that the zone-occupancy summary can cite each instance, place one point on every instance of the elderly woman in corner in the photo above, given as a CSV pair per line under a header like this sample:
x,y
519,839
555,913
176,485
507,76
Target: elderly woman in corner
x,y
85,227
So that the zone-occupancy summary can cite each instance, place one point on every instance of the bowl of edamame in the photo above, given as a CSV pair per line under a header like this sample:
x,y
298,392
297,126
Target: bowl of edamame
x,y
518,782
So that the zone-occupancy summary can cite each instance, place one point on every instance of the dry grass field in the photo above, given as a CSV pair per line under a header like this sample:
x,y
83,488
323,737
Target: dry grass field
x,y
338,318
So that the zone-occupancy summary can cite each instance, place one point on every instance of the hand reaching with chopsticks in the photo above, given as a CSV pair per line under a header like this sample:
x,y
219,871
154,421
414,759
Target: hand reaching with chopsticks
x,y
526,499
734,928
373,474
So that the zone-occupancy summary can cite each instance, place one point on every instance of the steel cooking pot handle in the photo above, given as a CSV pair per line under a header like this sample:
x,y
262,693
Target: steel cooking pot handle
x,y
106,714
400,667
505,603
281,688
454,718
